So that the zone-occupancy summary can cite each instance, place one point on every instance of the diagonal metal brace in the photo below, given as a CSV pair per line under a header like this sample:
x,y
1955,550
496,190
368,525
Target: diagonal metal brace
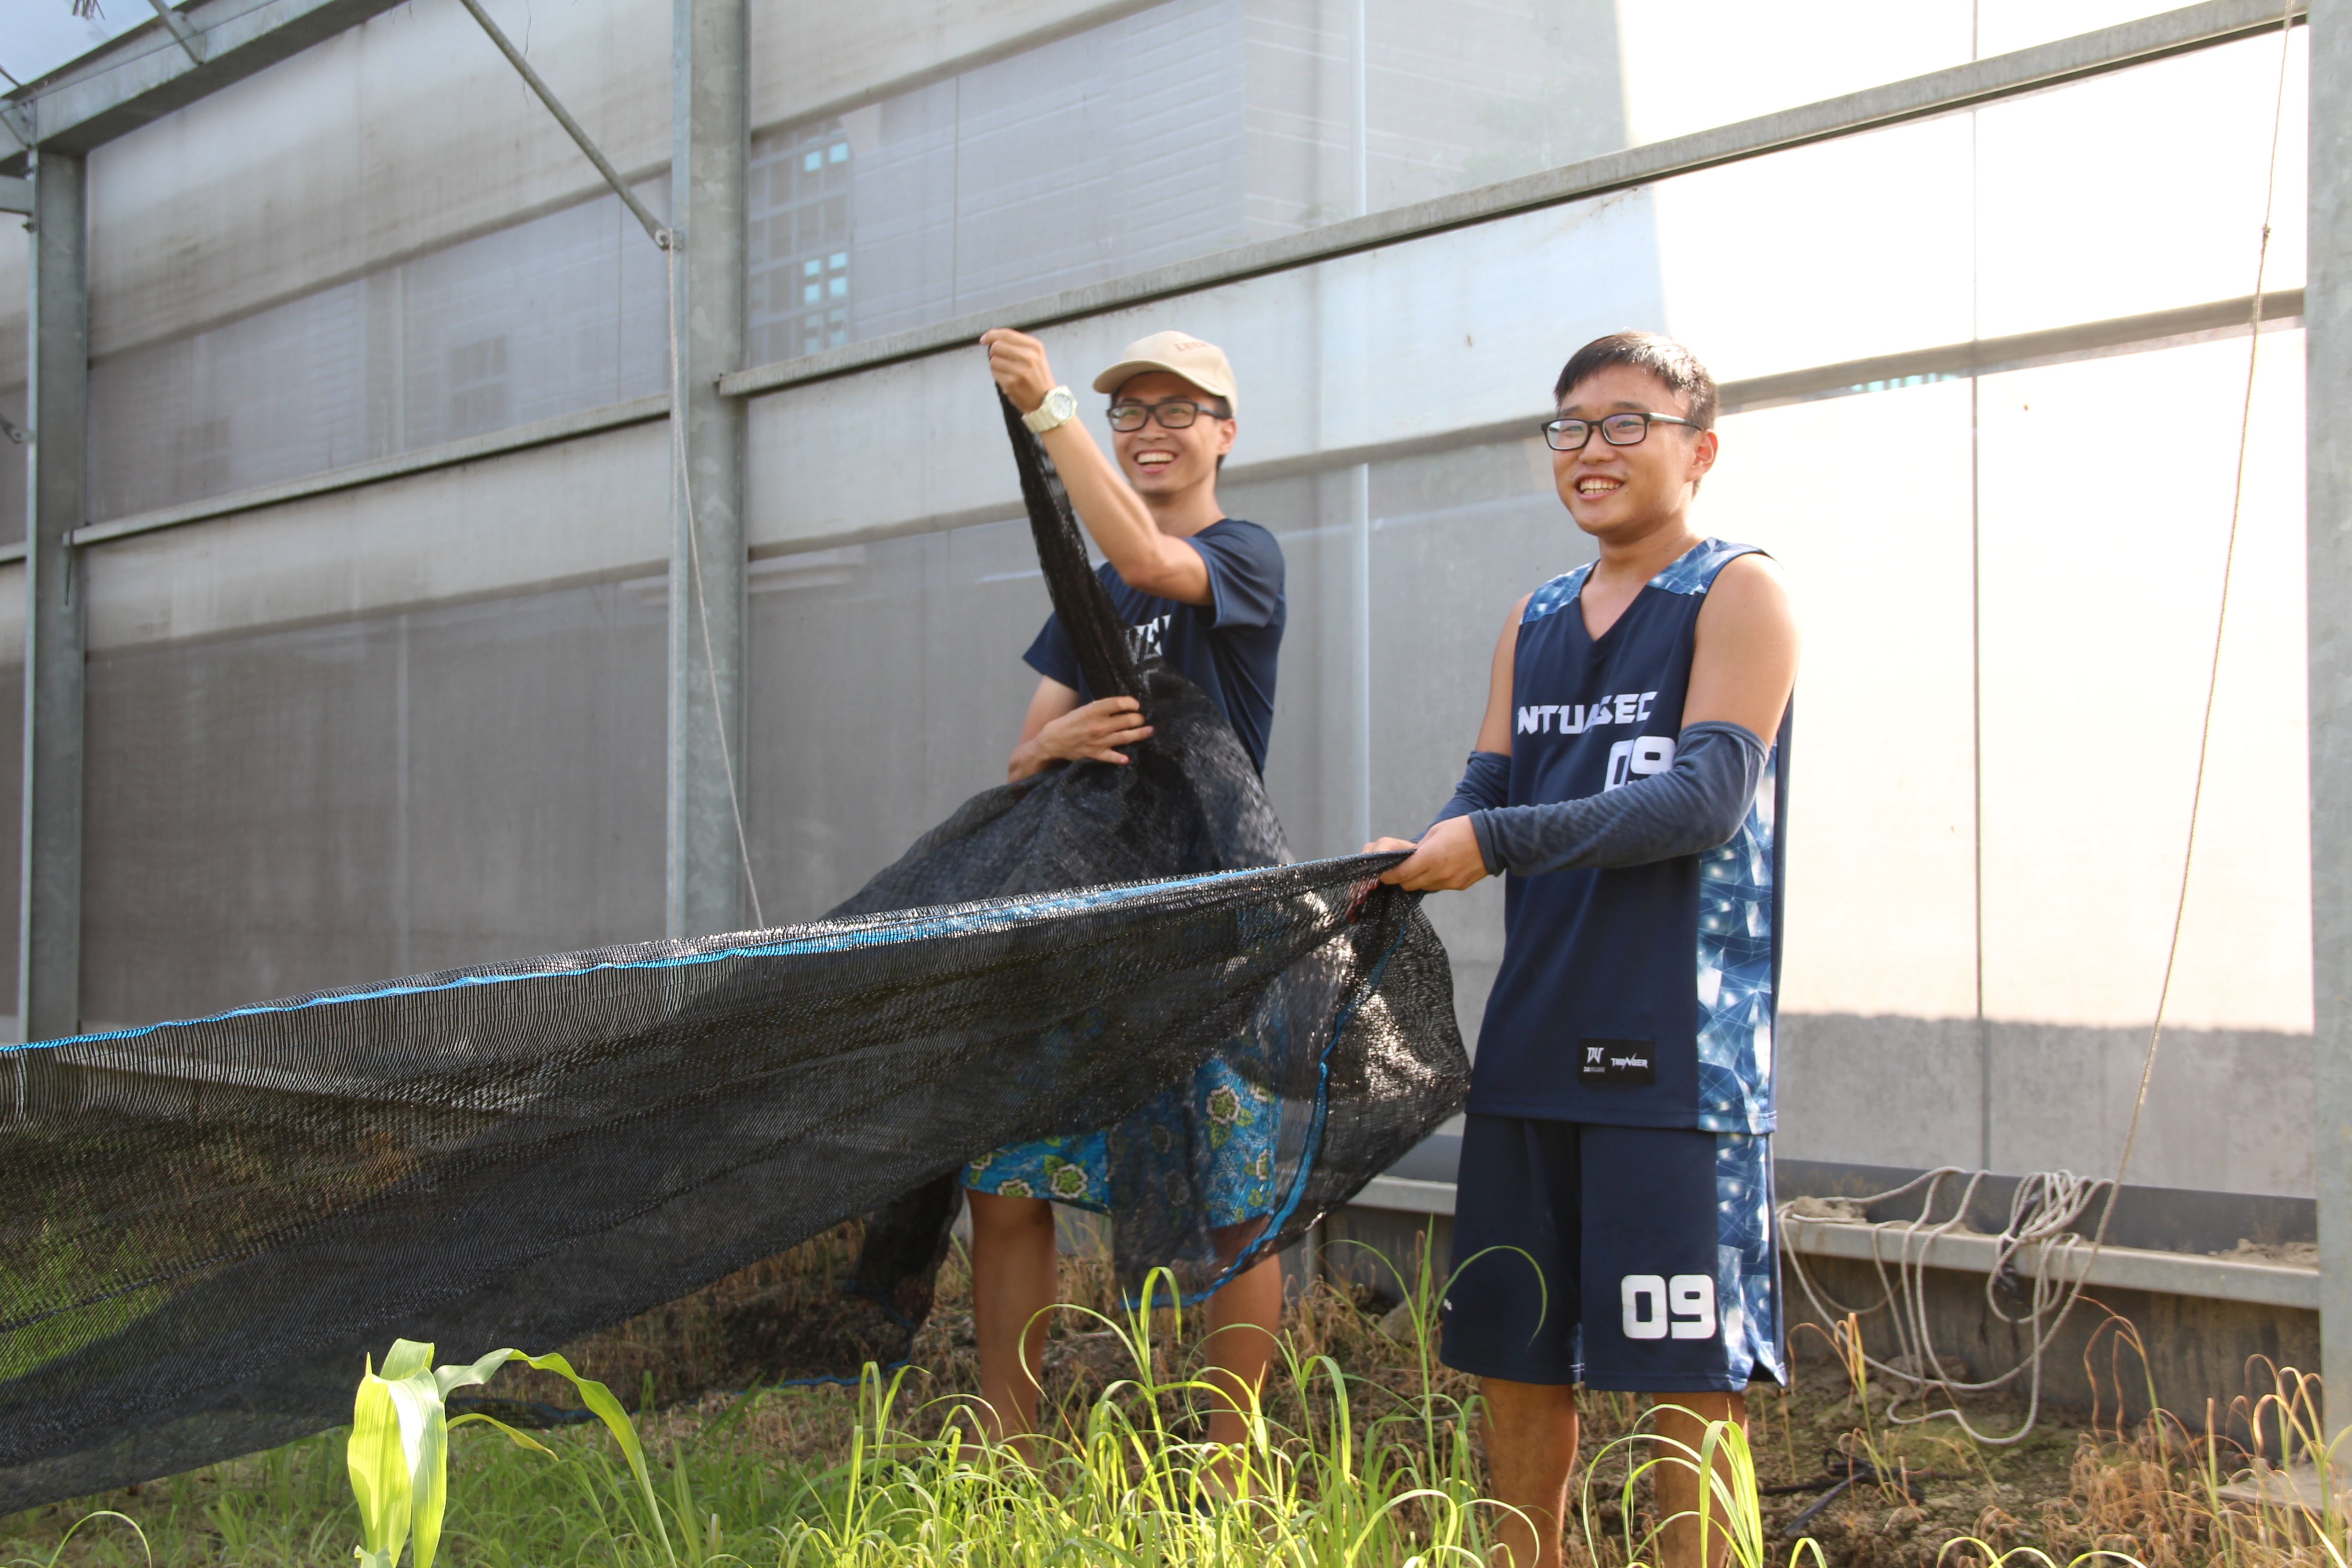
x,y
190,39
653,224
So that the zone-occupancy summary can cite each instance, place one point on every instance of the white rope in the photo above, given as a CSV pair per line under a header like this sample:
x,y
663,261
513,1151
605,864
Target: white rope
x,y
2042,1212
2046,1207
693,571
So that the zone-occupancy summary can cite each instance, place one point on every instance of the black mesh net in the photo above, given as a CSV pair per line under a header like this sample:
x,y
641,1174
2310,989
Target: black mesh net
x,y
208,1224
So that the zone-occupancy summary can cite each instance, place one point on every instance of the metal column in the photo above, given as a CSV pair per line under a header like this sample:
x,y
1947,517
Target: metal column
x,y
48,907
2327,318
709,152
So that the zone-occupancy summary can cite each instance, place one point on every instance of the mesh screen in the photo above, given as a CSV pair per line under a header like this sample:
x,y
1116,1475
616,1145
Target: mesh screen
x,y
210,1221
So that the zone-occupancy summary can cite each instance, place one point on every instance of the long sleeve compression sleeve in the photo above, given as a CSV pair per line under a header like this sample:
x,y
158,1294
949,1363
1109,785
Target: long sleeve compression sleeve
x,y
1485,785
1695,804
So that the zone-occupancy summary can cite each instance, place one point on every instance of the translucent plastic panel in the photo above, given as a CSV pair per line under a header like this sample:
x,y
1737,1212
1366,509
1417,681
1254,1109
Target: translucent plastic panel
x,y
1460,93
1986,225
2107,491
270,397
1704,63
561,313
1861,248
2005,24
885,686
1866,503
1458,330
2139,205
797,299
1182,129
2103,529
330,803
558,314
1832,252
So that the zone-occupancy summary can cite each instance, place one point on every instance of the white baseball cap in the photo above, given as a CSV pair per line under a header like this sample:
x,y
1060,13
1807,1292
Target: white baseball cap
x,y
1179,353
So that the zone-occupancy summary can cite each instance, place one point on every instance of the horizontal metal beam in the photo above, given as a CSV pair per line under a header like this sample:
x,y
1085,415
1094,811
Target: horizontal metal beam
x,y
1923,97
1986,356
424,459
146,73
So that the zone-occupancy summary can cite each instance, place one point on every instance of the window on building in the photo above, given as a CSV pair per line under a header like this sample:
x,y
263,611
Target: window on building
x,y
800,298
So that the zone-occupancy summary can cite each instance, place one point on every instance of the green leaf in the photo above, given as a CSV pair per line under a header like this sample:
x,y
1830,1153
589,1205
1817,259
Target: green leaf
x,y
406,1358
599,1398
452,1378
522,1439
378,1462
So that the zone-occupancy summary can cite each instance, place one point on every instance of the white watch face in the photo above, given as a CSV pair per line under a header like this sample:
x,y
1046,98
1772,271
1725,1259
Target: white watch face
x,y
1060,404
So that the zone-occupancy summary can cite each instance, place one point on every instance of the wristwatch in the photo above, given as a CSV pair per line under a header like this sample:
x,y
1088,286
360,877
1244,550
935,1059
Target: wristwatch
x,y
1061,407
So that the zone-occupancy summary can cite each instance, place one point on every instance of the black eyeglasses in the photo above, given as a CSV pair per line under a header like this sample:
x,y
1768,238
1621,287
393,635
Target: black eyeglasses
x,y
1175,414
1618,430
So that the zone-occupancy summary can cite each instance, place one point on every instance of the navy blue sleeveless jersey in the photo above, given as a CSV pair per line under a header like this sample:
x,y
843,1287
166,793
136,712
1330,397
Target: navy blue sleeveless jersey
x,y
1638,996
1228,647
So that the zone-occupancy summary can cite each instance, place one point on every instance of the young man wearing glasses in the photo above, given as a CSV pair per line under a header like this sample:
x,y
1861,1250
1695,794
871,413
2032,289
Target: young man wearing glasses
x,y
1613,1220
1204,592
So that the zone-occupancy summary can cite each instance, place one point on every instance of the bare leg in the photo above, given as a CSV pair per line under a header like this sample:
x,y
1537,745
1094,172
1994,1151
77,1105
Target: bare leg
x,y
1530,1454
1680,1486
1244,1318
1013,1280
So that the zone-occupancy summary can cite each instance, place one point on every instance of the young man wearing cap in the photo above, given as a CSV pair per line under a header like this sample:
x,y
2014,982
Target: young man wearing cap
x,y
1614,1220
1204,592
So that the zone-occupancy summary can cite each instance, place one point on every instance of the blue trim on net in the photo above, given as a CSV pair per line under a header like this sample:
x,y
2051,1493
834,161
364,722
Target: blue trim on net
x,y
1281,1217
967,918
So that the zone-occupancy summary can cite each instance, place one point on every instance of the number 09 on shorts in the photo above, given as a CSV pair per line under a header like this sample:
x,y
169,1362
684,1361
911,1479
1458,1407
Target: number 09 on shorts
x,y
1656,1307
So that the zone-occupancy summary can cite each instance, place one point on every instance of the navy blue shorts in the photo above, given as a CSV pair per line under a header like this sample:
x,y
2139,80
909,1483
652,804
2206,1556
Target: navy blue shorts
x,y
1635,1258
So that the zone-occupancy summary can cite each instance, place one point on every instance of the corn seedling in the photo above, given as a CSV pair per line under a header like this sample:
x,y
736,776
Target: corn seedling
x,y
398,1454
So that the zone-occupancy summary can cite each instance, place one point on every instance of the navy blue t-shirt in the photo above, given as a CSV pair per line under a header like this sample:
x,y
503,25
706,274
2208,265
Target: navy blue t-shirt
x,y
1227,648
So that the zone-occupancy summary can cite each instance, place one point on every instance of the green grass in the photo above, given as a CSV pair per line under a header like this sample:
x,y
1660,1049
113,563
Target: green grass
x,y
1366,1453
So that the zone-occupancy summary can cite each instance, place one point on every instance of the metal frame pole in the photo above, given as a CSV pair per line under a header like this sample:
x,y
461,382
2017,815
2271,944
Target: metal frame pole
x,y
709,156
48,908
2327,318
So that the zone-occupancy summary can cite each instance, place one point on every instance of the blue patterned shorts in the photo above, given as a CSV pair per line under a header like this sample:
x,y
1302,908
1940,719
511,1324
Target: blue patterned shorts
x,y
1228,1124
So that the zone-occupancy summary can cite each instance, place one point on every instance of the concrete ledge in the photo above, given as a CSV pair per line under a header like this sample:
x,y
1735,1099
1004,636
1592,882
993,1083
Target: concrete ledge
x,y
2128,1267
1402,1194
2119,1267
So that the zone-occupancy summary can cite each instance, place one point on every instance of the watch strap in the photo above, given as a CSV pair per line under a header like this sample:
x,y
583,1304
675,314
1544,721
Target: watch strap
x,y
1045,418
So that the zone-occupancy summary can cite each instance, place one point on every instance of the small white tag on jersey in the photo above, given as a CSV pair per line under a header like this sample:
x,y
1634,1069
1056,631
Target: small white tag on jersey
x,y
1633,1063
